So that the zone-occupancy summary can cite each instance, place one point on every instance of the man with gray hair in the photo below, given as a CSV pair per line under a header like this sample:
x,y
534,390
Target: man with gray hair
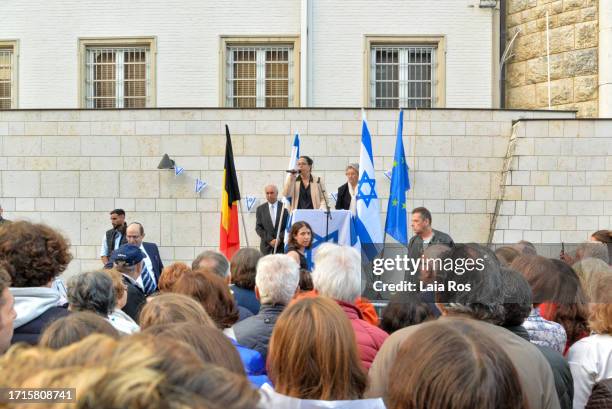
x,y
92,291
214,262
337,275
482,304
276,283
268,216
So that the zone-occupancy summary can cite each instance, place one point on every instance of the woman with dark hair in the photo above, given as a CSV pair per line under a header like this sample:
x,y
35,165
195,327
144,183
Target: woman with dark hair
x,y
305,190
571,310
33,255
313,355
451,365
547,285
605,237
243,268
300,240
404,310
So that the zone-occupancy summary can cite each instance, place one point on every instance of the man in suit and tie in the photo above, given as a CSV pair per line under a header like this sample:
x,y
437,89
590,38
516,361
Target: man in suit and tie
x,y
268,218
152,265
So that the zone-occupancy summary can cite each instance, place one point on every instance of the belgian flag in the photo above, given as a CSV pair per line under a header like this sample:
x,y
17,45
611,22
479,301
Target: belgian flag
x,y
230,235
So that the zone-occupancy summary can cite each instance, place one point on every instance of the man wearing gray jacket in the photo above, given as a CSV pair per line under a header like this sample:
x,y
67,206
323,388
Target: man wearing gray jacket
x,y
424,235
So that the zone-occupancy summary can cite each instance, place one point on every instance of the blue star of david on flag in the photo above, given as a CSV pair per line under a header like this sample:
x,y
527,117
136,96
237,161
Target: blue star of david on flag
x,y
366,180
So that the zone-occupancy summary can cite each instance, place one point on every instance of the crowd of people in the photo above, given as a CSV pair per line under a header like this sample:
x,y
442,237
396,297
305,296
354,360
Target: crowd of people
x,y
262,331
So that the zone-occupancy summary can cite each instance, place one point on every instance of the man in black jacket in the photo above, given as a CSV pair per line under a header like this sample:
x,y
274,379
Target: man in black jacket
x,y
266,225
115,237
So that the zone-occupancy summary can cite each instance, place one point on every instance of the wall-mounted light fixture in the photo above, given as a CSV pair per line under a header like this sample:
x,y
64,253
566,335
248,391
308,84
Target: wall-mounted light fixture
x,y
166,162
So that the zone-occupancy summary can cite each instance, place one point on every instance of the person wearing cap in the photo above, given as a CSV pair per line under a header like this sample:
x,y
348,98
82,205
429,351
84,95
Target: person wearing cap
x,y
347,192
127,259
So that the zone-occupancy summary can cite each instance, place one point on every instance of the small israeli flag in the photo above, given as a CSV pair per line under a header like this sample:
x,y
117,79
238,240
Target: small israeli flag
x,y
250,202
178,170
200,185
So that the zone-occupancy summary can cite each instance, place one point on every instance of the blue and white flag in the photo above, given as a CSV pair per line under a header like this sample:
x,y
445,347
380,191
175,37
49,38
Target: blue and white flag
x,y
367,221
293,159
251,201
200,185
178,170
295,153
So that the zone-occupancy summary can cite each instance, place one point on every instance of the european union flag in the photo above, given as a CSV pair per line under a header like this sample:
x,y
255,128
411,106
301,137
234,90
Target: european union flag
x,y
396,224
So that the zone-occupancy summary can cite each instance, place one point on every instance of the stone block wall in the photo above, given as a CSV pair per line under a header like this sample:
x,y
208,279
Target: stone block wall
x,y
559,184
69,168
573,30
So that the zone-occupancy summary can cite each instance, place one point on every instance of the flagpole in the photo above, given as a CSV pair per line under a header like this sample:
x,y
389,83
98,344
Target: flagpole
x,y
278,228
246,235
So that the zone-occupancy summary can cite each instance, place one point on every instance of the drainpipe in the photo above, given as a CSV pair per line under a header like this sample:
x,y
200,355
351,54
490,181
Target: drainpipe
x,y
502,46
304,53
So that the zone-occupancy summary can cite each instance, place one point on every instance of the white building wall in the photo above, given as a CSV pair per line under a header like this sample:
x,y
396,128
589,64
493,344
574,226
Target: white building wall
x,y
341,62
188,43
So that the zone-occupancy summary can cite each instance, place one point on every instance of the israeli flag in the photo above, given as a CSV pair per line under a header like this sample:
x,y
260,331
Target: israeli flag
x,y
293,158
367,221
295,153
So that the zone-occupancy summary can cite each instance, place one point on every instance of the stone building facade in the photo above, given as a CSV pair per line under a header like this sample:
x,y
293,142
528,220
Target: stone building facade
x,y
574,67
547,178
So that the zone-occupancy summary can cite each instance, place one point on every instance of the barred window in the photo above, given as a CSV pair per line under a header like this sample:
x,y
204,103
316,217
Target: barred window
x,y
402,76
7,78
117,77
259,77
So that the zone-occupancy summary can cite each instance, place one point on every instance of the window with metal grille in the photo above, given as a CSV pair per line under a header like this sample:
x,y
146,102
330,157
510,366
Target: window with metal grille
x,y
402,76
7,82
117,77
259,77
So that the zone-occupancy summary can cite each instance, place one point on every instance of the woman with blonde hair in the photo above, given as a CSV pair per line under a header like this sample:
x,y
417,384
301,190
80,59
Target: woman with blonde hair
x,y
313,355
590,358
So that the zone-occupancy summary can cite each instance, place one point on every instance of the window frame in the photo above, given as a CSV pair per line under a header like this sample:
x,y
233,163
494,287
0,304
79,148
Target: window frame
x,y
118,42
14,46
439,60
258,41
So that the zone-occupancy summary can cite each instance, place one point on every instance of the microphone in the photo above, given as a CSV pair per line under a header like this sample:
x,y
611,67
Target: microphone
x,y
292,171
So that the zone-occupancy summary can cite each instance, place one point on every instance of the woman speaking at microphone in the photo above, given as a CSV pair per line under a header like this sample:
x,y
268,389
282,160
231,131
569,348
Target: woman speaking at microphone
x,y
305,190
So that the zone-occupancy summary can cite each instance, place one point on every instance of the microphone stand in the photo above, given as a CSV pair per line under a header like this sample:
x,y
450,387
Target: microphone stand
x,y
327,211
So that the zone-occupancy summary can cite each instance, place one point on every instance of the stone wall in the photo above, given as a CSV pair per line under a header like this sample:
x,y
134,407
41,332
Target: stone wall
x,y
559,184
573,55
69,168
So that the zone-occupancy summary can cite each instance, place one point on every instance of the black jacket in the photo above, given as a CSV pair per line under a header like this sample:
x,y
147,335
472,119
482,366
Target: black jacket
x,y
344,198
564,383
135,300
266,230
31,331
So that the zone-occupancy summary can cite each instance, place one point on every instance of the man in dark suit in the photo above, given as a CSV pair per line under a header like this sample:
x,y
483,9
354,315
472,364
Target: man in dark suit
x,y
127,259
268,217
152,265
